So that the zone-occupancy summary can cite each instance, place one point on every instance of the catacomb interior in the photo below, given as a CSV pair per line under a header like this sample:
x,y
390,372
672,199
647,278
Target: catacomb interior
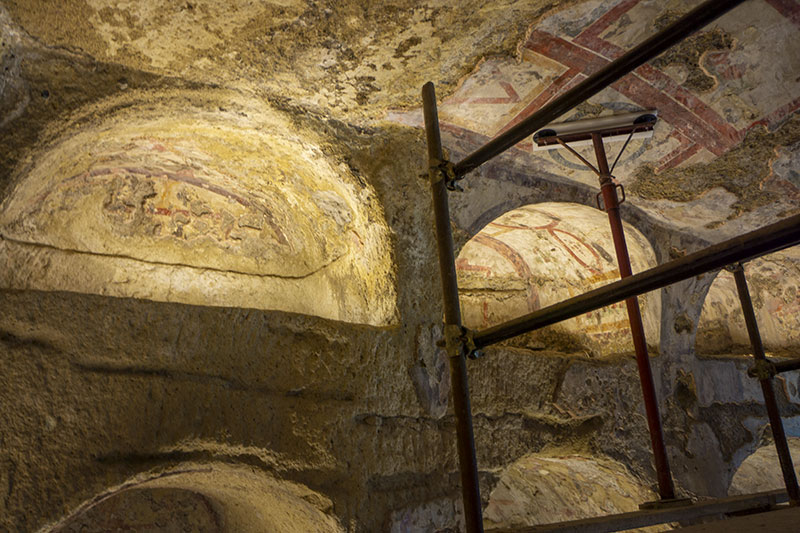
x,y
220,300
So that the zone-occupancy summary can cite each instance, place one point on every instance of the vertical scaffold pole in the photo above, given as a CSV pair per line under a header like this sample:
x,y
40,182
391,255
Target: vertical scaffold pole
x,y
611,202
452,317
774,415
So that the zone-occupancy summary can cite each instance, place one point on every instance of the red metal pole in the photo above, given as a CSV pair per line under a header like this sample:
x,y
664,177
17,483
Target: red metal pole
x,y
609,191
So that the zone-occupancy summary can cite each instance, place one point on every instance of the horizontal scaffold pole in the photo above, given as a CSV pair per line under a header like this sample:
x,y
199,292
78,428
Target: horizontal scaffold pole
x,y
743,248
787,366
637,56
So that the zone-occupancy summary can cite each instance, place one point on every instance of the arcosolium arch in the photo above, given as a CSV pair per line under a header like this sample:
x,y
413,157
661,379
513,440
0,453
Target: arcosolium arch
x,y
204,497
774,286
540,254
202,200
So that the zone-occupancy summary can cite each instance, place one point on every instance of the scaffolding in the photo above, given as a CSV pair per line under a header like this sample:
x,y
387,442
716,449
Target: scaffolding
x,y
462,344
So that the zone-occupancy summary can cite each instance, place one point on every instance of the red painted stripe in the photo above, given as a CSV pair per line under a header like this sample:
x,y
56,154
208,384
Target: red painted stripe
x,y
557,86
775,116
463,265
635,88
681,157
517,262
510,98
683,143
788,8
507,252
670,87
702,110
674,113
479,139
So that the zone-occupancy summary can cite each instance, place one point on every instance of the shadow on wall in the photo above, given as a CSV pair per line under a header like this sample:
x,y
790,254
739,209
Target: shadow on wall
x,y
186,200
774,284
544,253
204,497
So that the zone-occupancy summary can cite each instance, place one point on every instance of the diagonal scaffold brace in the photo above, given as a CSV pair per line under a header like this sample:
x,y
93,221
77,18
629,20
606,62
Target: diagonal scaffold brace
x,y
765,380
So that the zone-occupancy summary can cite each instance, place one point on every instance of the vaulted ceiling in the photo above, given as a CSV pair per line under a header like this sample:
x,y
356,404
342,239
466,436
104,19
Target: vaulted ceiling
x,y
269,154
724,154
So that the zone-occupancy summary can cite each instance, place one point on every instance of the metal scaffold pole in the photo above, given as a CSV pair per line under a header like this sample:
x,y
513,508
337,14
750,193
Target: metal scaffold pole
x,y
456,349
774,415
611,203
768,239
653,46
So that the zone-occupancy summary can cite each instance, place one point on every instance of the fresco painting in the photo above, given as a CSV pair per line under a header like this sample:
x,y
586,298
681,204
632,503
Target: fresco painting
x,y
541,254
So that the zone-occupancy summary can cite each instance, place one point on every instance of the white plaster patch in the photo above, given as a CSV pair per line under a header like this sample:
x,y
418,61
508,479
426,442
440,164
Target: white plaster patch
x,y
725,382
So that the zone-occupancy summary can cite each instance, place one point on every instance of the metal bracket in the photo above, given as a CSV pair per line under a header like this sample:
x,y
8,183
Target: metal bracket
x,y
458,340
733,267
445,170
762,369
619,202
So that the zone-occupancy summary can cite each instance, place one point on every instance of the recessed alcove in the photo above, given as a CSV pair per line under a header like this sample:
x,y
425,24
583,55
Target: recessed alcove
x,y
237,207
203,497
541,254
773,282
540,489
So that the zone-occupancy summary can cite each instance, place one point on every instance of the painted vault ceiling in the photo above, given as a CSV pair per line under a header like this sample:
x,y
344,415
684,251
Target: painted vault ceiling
x,y
132,94
269,154
724,152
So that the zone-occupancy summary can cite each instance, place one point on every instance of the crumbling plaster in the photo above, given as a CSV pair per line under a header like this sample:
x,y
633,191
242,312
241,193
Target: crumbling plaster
x,y
97,391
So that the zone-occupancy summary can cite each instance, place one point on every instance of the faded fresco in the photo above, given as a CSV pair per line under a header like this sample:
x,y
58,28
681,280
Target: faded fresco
x,y
717,101
541,254
709,91
244,202
775,291
219,297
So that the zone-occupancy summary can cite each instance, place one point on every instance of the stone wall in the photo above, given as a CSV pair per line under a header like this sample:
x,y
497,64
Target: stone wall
x,y
98,390
218,275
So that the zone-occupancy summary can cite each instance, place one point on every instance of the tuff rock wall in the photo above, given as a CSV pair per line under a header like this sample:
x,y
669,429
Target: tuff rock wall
x,y
218,284
98,390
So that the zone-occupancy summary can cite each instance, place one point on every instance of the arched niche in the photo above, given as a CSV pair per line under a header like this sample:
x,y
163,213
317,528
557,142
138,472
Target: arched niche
x,y
761,470
539,489
774,285
210,497
541,254
221,202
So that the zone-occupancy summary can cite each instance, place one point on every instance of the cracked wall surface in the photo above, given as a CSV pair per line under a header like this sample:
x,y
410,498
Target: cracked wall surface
x,y
218,256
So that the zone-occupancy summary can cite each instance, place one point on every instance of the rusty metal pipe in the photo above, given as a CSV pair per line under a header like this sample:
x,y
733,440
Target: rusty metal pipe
x,y
468,464
762,241
666,489
774,415
640,54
